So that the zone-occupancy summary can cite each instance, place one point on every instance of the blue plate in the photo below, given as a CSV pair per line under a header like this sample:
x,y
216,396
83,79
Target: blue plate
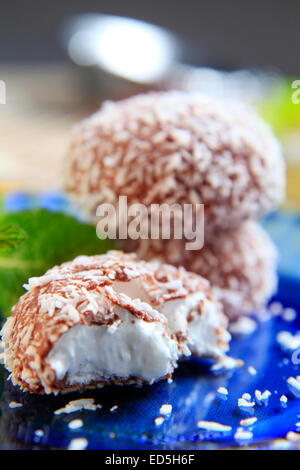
x,y
193,396
193,393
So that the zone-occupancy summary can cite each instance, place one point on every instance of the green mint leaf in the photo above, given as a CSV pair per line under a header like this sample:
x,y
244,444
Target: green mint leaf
x,y
11,236
44,240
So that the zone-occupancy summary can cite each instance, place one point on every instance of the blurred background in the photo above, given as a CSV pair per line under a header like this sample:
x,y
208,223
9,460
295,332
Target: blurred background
x,y
58,67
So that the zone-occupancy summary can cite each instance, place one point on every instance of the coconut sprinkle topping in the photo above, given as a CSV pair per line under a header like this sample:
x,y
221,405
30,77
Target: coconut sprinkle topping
x,y
213,426
166,311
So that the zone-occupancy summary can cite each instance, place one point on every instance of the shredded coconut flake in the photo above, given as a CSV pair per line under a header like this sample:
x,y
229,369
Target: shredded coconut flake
x,y
227,363
75,424
79,443
241,434
243,403
288,341
262,398
159,421
283,401
14,404
222,391
294,386
165,410
293,436
289,314
213,426
78,405
248,421
252,370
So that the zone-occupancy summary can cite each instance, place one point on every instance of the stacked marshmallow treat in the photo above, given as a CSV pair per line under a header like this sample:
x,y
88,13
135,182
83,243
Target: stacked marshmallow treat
x,y
186,148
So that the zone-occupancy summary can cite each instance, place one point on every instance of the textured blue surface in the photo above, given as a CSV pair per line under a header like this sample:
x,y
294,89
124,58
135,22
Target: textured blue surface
x,y
193,393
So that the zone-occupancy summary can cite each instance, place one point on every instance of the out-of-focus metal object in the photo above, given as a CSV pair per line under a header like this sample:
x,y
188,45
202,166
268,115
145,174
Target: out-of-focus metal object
x,y
121,56
125,47
118,56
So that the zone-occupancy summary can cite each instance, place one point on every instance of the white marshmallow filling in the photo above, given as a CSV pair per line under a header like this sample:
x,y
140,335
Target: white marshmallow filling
x,y
201,329
134,348
130,348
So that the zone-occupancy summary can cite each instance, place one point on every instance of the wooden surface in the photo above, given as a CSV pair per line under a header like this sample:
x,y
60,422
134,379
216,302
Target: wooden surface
x,y
42,103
